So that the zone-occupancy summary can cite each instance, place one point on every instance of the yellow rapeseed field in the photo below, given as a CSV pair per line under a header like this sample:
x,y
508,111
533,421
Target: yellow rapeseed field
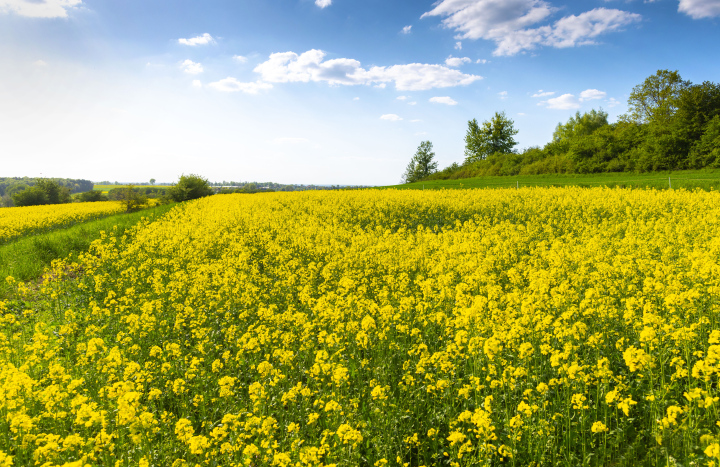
x,y
541,327
15,222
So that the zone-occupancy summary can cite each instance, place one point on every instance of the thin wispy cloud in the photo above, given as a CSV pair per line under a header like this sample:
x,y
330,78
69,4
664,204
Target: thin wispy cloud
x,y
391,117
542,93
443,100
570,101
233,85
406,29
39,8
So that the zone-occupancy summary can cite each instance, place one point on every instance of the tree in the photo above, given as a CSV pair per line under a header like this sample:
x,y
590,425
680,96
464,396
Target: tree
x,y
656,99
189,187
130,198
422,164
31,196
495,136
92,196
152,181
580,125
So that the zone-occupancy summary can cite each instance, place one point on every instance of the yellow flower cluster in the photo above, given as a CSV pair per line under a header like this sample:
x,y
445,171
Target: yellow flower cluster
x,y
15,222
476,327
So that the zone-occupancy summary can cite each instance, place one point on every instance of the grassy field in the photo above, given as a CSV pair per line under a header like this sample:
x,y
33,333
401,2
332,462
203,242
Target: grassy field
x,y
690,179
543,327
26,258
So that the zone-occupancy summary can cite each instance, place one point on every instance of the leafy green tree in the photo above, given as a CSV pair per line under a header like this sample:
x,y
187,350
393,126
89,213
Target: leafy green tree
x,y
152,181
31,196
581,125
706,152
131,198
495,136
422,164
92,196
656,99
189,187
56,193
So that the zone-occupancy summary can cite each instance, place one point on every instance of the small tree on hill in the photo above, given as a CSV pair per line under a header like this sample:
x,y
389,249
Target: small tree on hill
x,y
495,136
422,163
189,187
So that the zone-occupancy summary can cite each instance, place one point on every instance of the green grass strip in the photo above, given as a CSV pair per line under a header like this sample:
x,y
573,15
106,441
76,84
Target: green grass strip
x,y
26,258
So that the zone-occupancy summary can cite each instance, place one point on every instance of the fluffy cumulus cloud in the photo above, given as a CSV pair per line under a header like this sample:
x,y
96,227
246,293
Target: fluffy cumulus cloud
x,y
406,29
514,25
323,3
233,85
205,39
38,8
698,9
190,67
570,101
444,100
391,117
456,61
592,94
564,102
311,66
239,58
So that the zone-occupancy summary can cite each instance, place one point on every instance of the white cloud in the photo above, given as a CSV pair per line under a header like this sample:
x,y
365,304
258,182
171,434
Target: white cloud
x,y
40,63
323,3
481,61
197,83
310,66
205,39
406,29
697,9
456,61
522,114
458,45
417,120
391,117
191,67
402,98
233,85
542,93
592,94
509,23
503,94
239,58
564,102
356,98
290,140
39,8
612,102
412,103
443,100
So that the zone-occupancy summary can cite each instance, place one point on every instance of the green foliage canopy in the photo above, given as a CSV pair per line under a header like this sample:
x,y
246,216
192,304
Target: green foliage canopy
x,y
495,136
189,187
422,164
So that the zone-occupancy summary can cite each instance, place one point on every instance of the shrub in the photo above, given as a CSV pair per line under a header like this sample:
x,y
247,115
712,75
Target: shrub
x,y
189,187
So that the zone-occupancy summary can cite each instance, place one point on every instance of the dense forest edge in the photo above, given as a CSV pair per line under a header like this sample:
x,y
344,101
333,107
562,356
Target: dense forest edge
x,y
671,124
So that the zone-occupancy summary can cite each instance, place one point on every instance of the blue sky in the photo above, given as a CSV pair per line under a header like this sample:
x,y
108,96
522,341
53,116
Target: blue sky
x,y
316,91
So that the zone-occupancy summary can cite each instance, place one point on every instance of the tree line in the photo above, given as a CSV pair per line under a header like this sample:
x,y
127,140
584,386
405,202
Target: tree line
x,y
55,189
671,124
